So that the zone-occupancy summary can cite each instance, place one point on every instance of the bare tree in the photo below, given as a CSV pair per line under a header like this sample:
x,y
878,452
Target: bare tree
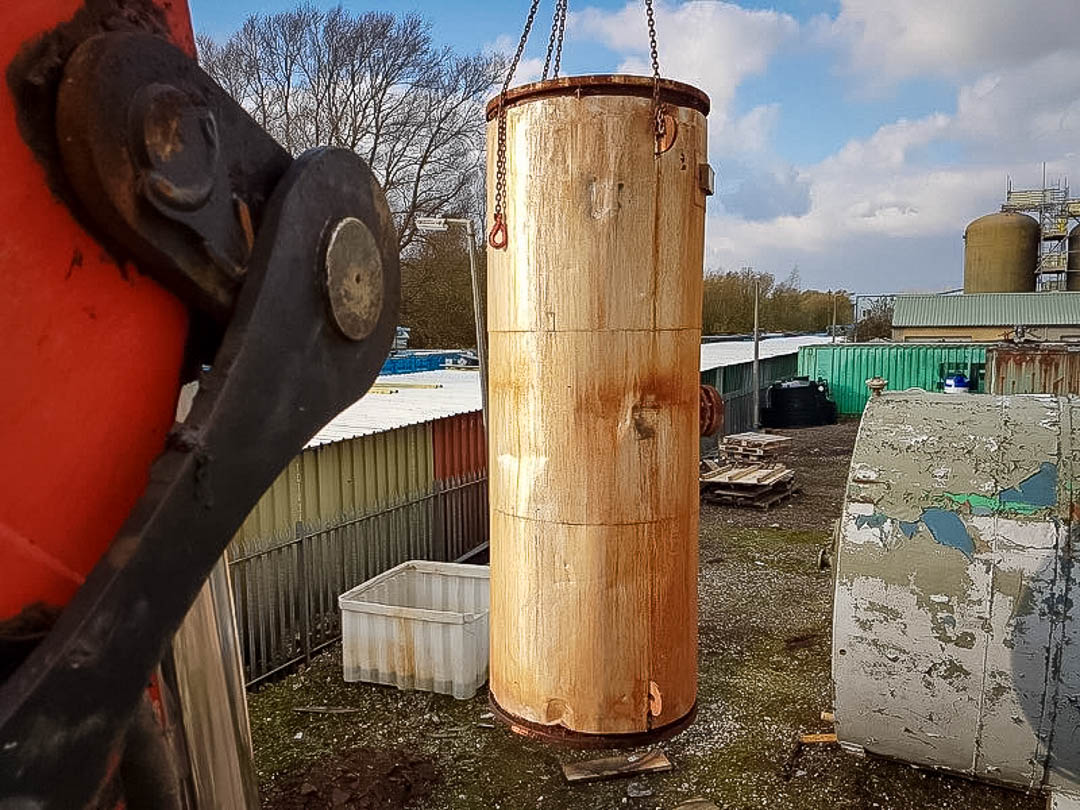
x,y
436,292
876,322
373,83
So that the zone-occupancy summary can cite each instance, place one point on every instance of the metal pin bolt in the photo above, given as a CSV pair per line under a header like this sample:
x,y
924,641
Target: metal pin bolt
x,y
354,278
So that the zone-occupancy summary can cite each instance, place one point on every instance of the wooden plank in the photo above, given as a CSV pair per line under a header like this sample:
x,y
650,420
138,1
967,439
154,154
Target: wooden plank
x,y
749,452
774,476
742,473
718,473
594,770
806,739
762,500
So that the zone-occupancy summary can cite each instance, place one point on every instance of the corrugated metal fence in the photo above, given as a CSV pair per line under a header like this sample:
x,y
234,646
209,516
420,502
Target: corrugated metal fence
x,y
847,367
342,513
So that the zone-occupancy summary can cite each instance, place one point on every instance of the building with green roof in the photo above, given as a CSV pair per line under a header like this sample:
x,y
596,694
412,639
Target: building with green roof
x,y
987,317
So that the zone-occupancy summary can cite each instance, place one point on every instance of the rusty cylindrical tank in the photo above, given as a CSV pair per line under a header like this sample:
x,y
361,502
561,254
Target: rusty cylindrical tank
x,y
1001,252
594,334
1072,280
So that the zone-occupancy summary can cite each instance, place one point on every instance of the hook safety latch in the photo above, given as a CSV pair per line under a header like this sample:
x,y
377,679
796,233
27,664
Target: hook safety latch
x,y
498,236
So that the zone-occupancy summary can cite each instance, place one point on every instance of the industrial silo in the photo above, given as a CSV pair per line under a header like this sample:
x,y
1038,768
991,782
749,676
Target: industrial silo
x,y
955,640
1072,280
594,319
1001,252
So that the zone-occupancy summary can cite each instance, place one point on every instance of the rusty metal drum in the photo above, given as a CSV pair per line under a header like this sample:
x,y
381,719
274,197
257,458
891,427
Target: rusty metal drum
x,y
594,321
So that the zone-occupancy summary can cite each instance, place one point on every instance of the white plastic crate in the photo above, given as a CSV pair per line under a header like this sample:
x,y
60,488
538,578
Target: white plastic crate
x,y
420,625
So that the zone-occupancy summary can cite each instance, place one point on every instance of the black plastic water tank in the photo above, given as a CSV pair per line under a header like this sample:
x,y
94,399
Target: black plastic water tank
x,y
799,402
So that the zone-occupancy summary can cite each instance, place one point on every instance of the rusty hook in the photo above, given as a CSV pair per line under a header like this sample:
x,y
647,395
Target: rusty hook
x,y
498,236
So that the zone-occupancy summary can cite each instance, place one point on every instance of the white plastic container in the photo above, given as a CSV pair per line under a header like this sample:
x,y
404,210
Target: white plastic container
x,y
420,625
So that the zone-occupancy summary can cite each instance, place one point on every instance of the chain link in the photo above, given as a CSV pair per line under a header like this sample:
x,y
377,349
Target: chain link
x,y
650,17
498,236
555,39
562,30
658,109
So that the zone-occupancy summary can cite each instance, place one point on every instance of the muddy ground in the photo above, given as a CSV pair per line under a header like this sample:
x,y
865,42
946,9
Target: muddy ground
x,y
764,679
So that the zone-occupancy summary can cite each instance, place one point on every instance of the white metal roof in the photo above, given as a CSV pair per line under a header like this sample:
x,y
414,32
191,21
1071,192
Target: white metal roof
x,y
724,353
408,399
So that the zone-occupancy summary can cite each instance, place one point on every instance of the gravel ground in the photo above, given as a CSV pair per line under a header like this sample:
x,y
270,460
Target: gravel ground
x,y
764,679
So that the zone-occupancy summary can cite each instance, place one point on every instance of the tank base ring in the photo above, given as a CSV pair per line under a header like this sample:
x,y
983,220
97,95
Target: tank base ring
x,y
560,735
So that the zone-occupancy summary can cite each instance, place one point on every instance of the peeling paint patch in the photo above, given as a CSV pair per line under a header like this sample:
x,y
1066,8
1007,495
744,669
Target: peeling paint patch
x,y
872,521
948,529
949,669
980,504
1036,492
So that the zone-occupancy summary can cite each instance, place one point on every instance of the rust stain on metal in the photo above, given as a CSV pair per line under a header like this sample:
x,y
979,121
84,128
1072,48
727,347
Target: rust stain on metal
x,y
669,135
1034,369
711,419
162,132
567,738
672,92
656,700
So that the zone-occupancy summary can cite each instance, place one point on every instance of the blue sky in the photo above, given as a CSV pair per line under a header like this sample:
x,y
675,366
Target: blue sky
x,y
853,139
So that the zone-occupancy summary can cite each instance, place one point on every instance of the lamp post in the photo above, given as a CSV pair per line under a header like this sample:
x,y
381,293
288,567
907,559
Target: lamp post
x,y
832,331
434,224
755,369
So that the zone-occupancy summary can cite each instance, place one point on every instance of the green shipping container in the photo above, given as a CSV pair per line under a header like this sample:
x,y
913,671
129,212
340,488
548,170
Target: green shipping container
x,y
847,367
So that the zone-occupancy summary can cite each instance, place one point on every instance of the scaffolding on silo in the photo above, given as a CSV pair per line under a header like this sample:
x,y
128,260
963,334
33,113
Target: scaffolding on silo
x,y
1056,213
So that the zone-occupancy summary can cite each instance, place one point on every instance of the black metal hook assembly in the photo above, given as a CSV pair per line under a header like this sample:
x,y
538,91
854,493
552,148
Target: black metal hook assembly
x,y
299,258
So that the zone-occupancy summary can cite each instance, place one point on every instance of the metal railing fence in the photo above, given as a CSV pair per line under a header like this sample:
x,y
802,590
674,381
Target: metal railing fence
x,y
286,595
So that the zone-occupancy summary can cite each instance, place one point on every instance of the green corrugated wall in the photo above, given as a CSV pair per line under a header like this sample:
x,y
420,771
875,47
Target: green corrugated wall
x,y
847,367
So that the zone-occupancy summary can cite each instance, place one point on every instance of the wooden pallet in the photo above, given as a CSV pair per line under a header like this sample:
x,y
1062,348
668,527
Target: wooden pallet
x,y
744,475
746,484
752,446
753,439
747,453
763,500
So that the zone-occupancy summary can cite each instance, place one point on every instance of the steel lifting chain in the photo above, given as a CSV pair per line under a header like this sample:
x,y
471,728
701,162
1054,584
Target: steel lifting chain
x,y
499,235
555,39
497,238
562,32
658,109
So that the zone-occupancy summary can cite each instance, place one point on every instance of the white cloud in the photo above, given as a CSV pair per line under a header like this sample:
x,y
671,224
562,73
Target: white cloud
x,y
878,204
748,134
890,40
1027,112
711,45
766,193
887,211
528,69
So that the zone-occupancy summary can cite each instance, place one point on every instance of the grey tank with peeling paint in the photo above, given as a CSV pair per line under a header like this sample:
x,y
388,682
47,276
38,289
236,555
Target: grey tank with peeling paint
x,y
954,644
